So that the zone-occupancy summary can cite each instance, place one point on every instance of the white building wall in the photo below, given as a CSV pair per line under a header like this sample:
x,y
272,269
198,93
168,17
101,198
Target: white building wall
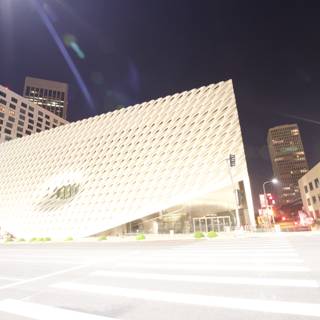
x,y
122,165
309,186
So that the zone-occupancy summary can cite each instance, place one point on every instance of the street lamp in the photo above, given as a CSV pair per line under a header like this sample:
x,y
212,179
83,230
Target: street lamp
x,y
273,181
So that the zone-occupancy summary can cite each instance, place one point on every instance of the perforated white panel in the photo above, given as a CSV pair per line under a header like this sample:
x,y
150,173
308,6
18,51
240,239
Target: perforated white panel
x,y
122,165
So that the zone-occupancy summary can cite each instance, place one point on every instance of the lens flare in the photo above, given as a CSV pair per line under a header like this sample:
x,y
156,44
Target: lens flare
x,y
71,42
47,22
300,118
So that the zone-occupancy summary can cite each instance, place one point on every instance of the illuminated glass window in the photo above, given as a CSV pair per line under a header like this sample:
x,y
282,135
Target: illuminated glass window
x,y
67,191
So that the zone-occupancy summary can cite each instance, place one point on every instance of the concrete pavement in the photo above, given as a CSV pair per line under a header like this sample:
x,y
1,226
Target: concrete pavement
x,y
271,276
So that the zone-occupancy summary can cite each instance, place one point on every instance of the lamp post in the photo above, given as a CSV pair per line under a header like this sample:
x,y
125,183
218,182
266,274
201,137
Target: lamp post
x,y
273,181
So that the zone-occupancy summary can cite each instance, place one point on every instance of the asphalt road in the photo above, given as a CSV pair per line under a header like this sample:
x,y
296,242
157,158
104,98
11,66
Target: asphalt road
x,y
258,277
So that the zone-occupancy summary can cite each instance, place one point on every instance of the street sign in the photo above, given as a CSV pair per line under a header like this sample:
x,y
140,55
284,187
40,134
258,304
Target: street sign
x,y
270,200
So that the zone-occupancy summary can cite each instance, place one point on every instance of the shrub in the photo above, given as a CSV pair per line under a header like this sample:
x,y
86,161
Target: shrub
x,y
21,240
140,236
102,238
68,239
47,239
198,235
8,240
212,234
33,239
40,239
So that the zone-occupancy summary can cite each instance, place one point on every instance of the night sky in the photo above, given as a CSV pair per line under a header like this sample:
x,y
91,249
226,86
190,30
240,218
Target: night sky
x,y
130,51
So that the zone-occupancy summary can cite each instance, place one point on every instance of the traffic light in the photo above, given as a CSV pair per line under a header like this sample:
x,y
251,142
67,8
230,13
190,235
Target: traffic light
x,y
232,160
270,200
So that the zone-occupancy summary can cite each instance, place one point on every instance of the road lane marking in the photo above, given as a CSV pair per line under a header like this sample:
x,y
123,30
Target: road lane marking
x,y
45,276
277,282
282,307
40,312
197,266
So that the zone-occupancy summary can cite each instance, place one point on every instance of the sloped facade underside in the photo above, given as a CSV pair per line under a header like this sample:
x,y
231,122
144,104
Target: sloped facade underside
x,y
100,173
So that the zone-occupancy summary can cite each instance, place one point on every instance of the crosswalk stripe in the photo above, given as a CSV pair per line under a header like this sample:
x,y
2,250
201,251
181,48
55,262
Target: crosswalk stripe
x,y
237,252
40,312
38,261
210,279
11,279
282,307
197,266
218,250
223,253
228,259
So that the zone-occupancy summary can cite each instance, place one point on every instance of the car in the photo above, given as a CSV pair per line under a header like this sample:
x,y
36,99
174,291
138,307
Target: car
x,y
295,223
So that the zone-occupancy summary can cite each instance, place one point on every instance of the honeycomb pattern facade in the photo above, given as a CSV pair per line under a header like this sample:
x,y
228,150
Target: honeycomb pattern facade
x,y
96,174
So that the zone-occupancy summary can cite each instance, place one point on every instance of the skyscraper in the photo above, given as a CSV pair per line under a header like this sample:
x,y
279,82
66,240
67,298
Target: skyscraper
x,y
288,160
51,95
19,117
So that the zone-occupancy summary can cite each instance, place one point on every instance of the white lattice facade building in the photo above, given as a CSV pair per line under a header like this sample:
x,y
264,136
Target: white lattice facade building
x,y
103,172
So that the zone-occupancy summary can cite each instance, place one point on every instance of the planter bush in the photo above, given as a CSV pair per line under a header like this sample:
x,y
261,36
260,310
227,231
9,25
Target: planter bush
x,y
198,235
140,236
102,238
68,239
212,234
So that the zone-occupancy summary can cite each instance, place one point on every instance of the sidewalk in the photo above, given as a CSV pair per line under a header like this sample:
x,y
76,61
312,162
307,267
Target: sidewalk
x,y
176,237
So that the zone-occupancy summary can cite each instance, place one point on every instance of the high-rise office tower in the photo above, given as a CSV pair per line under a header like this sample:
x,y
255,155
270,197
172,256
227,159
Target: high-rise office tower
x,y
51,95
288,160
19,117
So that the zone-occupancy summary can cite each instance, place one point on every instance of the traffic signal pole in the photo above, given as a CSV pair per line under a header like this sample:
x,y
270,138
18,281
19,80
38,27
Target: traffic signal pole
x,y
231,162
266,201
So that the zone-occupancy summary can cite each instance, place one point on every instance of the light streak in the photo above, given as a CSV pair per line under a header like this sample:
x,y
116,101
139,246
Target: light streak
x,y
300,118
45,19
